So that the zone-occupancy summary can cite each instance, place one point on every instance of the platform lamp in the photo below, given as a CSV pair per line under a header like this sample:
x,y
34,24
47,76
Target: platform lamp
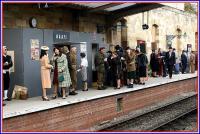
x,y
145,26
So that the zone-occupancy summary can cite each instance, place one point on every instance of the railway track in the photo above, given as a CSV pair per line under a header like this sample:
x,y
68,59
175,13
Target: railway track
x,y
188,122
154,120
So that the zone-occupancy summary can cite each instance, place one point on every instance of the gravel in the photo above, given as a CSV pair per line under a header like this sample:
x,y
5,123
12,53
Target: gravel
x,y
187,122
160,117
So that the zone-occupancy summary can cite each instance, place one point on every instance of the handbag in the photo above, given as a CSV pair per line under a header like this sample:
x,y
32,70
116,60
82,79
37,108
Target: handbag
x,y
61,78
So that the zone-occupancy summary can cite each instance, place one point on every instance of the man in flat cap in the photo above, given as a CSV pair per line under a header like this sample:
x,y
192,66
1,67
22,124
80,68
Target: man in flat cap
x,y
7,64
100,58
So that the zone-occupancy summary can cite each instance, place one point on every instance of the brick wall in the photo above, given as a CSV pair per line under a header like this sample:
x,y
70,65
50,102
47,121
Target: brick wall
x,y
84,115
18,15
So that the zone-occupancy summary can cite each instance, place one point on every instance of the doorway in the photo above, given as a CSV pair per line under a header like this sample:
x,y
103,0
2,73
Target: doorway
x,y
60,46
95,48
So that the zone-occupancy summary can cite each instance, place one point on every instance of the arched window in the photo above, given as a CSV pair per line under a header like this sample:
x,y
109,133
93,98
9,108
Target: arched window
x,y
155,37
178,41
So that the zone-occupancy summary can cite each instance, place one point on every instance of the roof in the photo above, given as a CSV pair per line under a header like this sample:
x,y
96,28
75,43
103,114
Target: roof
x,y
113,11
105,6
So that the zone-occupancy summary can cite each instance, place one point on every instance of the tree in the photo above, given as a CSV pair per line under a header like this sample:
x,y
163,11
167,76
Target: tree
x,y
188,8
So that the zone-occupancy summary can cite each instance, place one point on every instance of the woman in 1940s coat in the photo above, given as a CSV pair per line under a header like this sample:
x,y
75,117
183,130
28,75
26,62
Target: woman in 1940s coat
x,y
63,71
45,71
116,70
131,67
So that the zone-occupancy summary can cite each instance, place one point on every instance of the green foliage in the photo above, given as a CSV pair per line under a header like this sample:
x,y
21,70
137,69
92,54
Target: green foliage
x,y
188,8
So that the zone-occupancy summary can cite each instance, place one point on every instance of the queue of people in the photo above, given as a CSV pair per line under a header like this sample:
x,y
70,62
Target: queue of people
x,y
123,67
163,63
118,68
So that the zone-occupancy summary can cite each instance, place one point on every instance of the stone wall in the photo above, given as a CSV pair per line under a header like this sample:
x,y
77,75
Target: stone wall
x,y
18,15
168,21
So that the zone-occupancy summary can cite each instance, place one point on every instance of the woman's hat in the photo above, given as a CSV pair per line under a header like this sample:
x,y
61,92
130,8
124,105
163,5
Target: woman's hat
x,y
44,48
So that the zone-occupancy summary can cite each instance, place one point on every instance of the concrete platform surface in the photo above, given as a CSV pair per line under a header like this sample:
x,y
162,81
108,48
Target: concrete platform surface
x,y
21,107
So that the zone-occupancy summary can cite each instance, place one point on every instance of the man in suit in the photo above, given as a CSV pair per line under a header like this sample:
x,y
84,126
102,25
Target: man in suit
x,y
171,60
7,64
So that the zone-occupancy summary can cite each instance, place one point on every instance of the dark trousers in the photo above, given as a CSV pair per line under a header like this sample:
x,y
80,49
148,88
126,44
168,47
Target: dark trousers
x,y
184,68
6,80
170,70
164,70
6,84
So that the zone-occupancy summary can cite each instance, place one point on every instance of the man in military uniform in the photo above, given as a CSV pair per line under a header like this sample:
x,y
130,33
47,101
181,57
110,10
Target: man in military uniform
x,y
100,58
7,64
73,70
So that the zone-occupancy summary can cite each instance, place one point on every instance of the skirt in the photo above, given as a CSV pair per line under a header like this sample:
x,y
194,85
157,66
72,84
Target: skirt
x,y
143,71
131,75
84,73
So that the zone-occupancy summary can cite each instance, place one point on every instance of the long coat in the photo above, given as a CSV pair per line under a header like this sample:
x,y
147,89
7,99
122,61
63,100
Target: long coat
x,y
45,72
183,59
192,62
116,66
154,62
130,62
63,70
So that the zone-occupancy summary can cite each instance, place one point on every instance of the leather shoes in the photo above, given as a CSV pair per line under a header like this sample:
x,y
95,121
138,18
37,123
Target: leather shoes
x,y
101,88
45,98
73,93
104,87
8,99
54,97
